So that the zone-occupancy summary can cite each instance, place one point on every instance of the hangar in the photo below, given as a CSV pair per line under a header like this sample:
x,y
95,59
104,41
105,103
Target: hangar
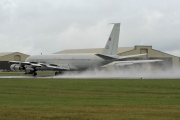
x,y
170,61
5,57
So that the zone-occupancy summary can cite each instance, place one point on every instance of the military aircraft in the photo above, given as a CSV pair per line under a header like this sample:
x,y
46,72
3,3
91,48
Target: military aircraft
x,y
78,62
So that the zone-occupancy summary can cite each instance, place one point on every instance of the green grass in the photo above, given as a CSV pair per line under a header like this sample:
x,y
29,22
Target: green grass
x,y
89,99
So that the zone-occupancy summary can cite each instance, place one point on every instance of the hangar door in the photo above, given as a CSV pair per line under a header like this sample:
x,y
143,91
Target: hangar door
x,y
17,58
143,50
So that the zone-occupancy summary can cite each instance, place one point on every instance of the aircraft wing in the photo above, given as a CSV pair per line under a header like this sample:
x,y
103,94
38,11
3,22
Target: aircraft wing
x,y
50,66
15,62
122,63
107,57
58,67
25,63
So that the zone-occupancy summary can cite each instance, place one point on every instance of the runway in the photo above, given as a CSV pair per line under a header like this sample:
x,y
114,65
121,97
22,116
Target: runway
x,y
66,77
173,74
95,77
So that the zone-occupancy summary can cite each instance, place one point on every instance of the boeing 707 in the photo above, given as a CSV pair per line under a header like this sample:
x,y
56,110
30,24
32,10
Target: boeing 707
x,y
77,62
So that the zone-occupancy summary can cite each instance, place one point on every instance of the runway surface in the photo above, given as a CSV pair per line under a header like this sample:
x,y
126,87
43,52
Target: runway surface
x,y
133,74
94,77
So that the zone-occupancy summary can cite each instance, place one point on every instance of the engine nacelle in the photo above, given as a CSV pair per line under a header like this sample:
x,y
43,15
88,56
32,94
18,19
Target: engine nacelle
x,y
15,67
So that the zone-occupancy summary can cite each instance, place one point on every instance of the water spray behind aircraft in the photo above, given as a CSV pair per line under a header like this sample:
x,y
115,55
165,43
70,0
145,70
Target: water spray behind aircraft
x,y
146,72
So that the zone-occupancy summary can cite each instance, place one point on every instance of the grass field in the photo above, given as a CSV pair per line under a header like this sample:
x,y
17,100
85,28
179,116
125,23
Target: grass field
x,y
89,99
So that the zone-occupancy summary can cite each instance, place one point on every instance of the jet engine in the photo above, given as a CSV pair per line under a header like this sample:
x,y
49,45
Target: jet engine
x,y
15,67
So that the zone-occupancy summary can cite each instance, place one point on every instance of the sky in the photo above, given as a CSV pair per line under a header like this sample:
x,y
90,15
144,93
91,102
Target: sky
x,y
48,26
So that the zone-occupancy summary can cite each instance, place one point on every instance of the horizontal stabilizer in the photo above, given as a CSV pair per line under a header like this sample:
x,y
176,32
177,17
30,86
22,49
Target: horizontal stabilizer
x,y
110,57
123,63
107,57
147,61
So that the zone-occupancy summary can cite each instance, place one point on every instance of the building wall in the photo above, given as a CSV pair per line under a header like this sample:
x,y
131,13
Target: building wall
x,y
13,56
4,65
16,56
153,54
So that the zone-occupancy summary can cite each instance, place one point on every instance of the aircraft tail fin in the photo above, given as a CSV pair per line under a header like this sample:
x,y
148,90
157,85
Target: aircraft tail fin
x,y
111,47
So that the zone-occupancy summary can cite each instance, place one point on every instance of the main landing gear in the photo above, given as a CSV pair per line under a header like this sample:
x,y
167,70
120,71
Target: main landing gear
x,y
58,73
33,72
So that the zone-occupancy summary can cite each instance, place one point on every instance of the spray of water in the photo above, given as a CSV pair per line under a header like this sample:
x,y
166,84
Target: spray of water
x,y
144,72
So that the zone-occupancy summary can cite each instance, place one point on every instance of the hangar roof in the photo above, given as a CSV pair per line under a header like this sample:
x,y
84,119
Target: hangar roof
x,y
121,51
92,50
10,56
5,53
8,53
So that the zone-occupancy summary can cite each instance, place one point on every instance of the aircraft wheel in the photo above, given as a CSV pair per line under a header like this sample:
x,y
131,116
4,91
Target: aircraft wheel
x,y
56,73
34,74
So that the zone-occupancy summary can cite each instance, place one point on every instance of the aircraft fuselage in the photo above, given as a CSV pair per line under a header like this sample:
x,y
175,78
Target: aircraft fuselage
x,y
73,61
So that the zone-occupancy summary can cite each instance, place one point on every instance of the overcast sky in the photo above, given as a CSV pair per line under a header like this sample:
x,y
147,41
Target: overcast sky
x,y
48,26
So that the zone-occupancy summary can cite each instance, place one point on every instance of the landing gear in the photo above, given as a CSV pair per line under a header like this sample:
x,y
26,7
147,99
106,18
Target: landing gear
x,y
30,71
58,73
34,73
